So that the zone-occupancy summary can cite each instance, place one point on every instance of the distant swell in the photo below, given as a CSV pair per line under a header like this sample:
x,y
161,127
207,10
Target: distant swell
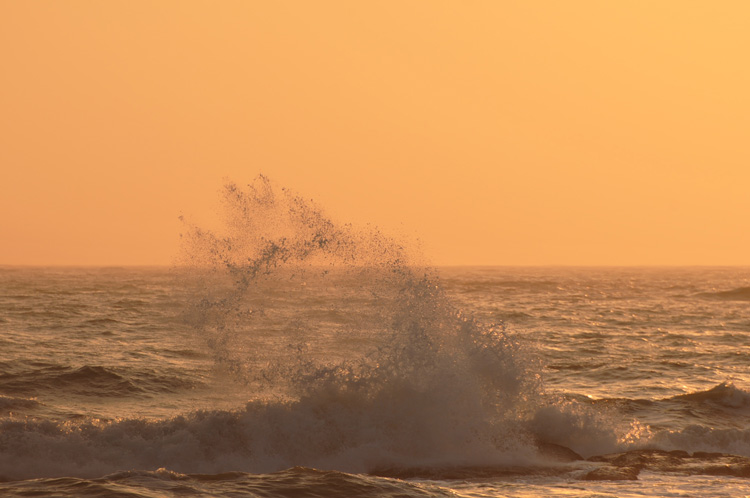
x,y
88,381
739,294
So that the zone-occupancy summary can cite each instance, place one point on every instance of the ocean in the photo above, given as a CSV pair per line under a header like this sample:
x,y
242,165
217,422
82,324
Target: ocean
x,y
287,355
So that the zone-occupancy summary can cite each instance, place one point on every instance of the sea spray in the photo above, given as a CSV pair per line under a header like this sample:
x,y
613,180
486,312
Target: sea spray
x,y
390,371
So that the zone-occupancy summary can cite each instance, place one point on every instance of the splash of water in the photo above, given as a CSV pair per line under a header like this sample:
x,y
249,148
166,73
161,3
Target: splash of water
x,y
342,322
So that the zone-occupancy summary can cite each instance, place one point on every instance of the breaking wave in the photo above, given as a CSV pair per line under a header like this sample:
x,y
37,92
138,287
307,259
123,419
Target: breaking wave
x,y
354,345
352,356
724,395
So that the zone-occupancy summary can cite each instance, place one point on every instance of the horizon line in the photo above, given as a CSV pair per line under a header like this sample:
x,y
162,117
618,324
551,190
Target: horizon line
x,y
451,265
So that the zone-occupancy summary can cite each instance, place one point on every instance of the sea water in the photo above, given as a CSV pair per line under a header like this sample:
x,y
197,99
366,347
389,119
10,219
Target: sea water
x,y
287,355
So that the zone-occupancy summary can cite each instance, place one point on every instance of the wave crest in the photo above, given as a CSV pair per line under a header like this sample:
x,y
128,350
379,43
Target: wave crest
x,y
738,294
724,395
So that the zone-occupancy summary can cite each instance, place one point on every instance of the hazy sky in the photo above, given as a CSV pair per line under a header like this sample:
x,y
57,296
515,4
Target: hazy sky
x,y
498,132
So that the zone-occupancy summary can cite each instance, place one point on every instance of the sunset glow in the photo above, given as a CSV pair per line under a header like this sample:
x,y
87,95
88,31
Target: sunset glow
x,y
338,248
504,133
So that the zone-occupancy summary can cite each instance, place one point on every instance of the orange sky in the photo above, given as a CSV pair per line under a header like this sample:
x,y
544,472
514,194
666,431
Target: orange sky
x,y
498,132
